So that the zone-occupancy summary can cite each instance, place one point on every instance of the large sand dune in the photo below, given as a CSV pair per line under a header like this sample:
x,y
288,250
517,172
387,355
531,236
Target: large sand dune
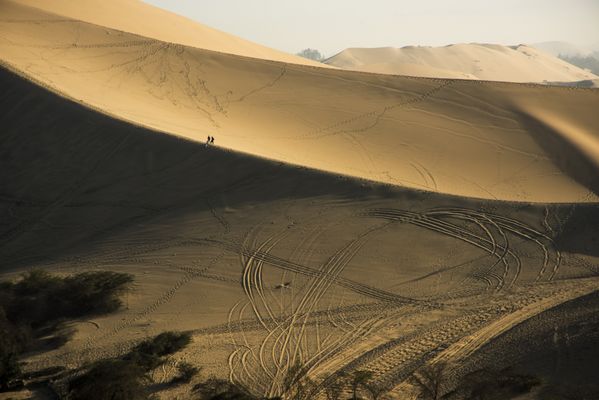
x,y
379,278
343,220
465,61
134,16
449,136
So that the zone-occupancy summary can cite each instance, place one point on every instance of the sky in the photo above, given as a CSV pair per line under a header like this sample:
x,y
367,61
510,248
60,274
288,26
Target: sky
x,y
333,25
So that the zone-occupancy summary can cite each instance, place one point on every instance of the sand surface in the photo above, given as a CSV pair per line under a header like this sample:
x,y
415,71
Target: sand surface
x,y
344,220
490,62
135,16
396,130
401,131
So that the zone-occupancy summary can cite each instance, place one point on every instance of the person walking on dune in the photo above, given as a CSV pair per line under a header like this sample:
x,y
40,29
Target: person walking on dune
x,y
212,140
208,141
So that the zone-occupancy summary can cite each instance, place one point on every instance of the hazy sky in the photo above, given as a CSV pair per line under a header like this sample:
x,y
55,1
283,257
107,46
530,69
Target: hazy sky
x,y
333,25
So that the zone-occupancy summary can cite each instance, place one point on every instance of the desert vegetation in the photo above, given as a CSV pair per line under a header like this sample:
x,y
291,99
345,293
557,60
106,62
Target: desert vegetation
x,y
311,54
39,303
127,377
489,384
345,232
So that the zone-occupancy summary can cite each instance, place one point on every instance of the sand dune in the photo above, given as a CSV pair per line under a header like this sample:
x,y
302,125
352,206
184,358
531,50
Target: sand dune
x,y
466,61
140,18
210,234
344,220
83,191
400,131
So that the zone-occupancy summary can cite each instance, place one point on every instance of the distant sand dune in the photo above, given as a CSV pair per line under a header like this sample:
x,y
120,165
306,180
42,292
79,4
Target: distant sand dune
x,y
465,61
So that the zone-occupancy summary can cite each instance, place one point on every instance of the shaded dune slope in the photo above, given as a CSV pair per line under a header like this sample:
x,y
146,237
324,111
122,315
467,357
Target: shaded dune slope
x,y
71,175
82,190
577,154
448,136
349,221
559,345
75,175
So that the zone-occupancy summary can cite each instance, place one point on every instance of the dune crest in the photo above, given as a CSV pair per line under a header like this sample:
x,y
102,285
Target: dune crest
x,y
456,137
341,221
143,19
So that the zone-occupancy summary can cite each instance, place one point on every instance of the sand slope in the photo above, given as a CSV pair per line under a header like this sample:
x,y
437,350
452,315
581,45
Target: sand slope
x,y
380,278
140,18
456,137
269,247
466,61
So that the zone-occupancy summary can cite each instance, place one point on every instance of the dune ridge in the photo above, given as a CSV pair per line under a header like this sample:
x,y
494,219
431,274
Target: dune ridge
x,y
135,16
348,220
179,215
386,129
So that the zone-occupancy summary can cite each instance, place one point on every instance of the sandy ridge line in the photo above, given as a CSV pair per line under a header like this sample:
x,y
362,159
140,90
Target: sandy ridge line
x,y
275,162
324,68
23,74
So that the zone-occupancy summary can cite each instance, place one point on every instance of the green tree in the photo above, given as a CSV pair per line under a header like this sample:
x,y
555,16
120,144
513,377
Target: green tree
x,y
311,54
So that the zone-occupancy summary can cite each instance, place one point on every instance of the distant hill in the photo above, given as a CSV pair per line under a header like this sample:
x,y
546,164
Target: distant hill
x,y
492,62
590,63
583,57
557,48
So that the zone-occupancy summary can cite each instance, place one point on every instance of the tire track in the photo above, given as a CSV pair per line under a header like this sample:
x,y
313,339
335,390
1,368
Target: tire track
x,y
448,229
288,338
520,229
433,220
162,300
360,288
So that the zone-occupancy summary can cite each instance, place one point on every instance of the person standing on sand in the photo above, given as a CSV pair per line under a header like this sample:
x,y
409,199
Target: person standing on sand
x,y
212,140
208,141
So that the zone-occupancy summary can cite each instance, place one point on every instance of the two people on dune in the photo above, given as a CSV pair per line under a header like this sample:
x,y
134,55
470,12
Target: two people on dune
x,y
210,140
